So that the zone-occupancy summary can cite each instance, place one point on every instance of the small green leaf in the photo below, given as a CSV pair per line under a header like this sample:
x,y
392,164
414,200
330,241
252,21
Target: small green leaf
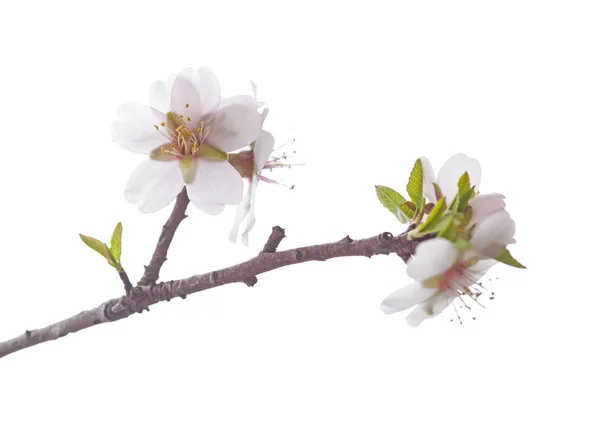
x,y
394,202
435,216
438,191
508,259
115,242
449,229
111,260
94,244
415,184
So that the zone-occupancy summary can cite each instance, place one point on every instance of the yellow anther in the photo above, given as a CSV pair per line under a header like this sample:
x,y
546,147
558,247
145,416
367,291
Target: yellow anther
x,y
163,124
187,105
156,127
189,119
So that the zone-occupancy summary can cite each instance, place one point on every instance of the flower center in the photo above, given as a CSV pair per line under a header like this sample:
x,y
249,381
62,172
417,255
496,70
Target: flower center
x,y
186,140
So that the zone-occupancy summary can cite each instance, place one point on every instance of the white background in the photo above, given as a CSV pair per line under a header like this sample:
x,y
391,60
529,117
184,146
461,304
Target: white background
x,y
365,88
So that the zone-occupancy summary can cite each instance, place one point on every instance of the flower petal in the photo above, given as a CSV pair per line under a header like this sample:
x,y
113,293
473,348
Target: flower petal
x,y
429,309
453,169
263,149
134,128
215,182
432,258
154,184
233,127
491,236
486,204
428,180
160,96
251,216
405,297
211,209
246,100
185,99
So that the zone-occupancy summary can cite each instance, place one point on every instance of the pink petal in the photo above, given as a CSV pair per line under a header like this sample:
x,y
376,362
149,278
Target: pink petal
x,y
486,204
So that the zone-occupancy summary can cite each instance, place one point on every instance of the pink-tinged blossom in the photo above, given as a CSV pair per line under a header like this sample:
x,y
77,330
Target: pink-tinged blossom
x,y
187,132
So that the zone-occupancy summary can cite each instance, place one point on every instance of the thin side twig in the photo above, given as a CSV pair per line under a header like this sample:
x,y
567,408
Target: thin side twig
x,y
141,297
159,257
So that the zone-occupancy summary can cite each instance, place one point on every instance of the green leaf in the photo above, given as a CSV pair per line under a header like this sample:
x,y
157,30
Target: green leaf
x,y
111,260
415,184
438,191
115,242
94,244
508,259
449,229
435,216
394,202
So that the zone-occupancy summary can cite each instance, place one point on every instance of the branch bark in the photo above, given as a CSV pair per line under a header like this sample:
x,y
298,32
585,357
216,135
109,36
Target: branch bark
x,y
164,241
143,296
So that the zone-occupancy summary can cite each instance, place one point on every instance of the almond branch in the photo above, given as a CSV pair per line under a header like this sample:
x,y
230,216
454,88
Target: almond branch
x,y
142,296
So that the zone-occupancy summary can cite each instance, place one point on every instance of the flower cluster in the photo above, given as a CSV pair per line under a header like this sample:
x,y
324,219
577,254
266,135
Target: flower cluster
x,y
465,233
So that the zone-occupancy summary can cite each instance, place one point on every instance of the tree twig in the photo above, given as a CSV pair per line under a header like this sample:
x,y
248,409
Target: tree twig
x,y
142,296
164,241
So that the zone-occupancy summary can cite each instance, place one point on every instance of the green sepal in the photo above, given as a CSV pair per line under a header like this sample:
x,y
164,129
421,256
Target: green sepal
x,y
394,202
448,229
509,260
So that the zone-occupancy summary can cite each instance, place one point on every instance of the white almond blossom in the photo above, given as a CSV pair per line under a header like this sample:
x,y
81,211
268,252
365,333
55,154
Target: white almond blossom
x,y
187,132
449,175
442,272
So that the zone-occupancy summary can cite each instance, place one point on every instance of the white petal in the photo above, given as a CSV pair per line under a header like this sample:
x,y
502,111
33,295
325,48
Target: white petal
x,y
263,149
251,216
134,128
429,309
209,89
160,97
240,214
453,169
491,236
246,100
215,182
428,180
432,258
233,127
185,99
405,297
212,209
486,204
154,184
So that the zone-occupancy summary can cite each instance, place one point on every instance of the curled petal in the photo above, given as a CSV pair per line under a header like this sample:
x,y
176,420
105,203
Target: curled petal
x,y
406,297
233,127
491,236
485,205
432,258
136,128
215,182
428,180
263,147
453,169
154,184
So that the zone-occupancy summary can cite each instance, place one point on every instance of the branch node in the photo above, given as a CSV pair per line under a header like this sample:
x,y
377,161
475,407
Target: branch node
x,y
277,234
299,255
27,334
250,281
212,278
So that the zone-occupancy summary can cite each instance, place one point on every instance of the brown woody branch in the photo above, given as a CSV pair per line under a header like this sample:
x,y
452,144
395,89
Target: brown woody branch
x,y
142,296
164,241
